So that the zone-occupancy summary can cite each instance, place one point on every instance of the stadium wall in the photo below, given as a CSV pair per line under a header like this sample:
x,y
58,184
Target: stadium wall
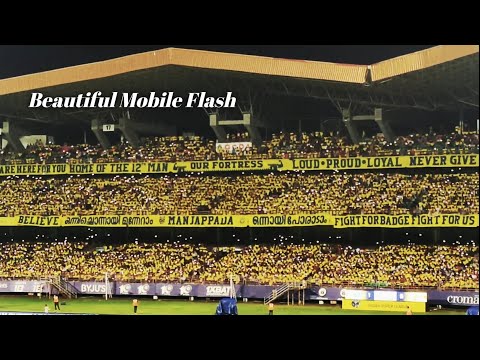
x,y
313,293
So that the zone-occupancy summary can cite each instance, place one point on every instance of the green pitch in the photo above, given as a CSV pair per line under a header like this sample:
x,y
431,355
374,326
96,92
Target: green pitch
x,y
122,306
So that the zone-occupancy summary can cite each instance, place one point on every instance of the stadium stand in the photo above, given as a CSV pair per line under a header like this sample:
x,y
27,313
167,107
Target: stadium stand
x,y
392,191
290,193
393,265
283,145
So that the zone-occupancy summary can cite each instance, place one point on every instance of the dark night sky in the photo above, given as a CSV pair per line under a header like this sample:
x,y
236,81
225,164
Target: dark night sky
x,y
18,60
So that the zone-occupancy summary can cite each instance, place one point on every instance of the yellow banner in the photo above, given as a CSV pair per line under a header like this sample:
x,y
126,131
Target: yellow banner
x,y
400,221
349,221
397,306
388,162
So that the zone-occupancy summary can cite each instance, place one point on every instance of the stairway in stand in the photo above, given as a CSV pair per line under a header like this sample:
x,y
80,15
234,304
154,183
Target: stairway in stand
x,y
283,289
64,287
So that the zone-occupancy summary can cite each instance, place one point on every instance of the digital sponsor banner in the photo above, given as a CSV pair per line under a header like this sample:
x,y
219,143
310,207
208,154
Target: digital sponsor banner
x,y
412,296
347,221
92,287
324,293
166,289
123,288
453,298
315,292
387,162
256,291
24,286
385,295
216,291
355,294
334,293
371,305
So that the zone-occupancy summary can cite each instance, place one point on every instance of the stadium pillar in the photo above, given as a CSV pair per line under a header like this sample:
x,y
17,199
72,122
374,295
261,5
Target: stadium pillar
x,y
384,125
217,128
98,131
11,134
247,121
252,129
461,117
351,127
126,127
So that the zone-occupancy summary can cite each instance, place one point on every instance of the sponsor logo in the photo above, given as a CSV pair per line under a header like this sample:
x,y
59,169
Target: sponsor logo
x,y
125,289
167,289
342,293
185,290
322,292
143,289
218,290
38,287
93,288
355,304
3,285
463,300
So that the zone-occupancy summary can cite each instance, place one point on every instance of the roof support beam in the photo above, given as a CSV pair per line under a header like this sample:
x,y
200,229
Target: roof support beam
x,y
351,127
384,125
247,121
98,131
126,127
11,133
217,128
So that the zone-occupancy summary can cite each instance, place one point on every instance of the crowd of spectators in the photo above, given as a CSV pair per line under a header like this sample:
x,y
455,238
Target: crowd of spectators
x,y
282,145
285,193
394,265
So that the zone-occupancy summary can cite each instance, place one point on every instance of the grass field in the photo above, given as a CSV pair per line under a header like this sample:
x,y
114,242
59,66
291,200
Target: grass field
x,y
96,305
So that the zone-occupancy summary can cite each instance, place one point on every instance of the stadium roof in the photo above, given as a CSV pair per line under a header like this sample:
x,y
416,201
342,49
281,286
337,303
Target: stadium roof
x,y
444,77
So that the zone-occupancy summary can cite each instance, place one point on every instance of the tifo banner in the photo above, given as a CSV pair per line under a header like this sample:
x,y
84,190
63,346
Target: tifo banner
x,y
370,305
347,221
400,221
455,298
386,162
